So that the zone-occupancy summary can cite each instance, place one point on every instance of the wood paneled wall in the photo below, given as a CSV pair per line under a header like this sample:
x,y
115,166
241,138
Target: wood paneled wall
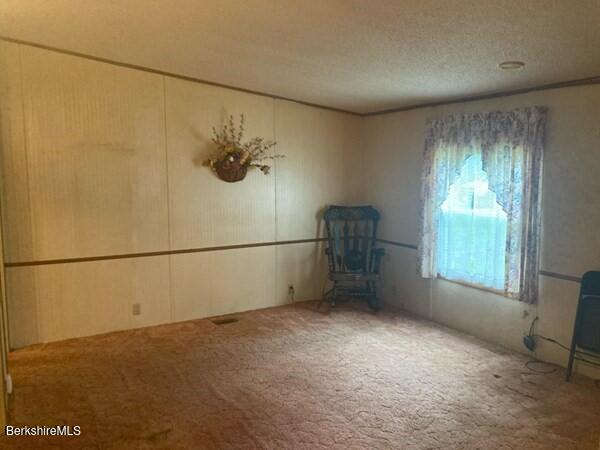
x,y
105,160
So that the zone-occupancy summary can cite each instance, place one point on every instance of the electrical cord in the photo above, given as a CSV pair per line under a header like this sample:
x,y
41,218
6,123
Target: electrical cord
x,y
533,361
531,335
564,347
553,341
532,325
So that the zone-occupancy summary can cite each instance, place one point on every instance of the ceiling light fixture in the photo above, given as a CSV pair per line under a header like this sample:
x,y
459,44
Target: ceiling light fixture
x,y
511,65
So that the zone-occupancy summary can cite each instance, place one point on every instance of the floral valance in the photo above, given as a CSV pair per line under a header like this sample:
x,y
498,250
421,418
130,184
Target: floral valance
x,y
517,127
498,136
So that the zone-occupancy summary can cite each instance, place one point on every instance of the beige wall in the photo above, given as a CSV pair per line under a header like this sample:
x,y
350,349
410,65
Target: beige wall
x,y
570,242
102,160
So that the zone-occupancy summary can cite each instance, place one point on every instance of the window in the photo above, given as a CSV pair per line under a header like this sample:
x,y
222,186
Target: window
x,y
472,230
481,209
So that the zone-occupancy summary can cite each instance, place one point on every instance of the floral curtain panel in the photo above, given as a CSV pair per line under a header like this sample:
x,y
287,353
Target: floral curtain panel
x,y
509,146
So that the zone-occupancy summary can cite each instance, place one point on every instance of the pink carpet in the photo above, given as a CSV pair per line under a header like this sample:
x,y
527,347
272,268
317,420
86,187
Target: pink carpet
x,y
294,377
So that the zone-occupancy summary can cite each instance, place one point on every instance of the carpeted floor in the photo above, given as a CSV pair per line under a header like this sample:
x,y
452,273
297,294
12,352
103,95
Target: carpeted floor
x,y
294,377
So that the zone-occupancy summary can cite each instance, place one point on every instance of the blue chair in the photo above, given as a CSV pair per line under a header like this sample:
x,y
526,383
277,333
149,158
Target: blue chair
x,y
585,345
353,256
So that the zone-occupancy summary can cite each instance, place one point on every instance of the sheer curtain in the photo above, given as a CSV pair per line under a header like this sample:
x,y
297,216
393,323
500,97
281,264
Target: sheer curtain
x,y
498,156
472,230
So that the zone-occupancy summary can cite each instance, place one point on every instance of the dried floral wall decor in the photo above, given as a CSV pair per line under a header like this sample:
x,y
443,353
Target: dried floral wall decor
x,y
234,157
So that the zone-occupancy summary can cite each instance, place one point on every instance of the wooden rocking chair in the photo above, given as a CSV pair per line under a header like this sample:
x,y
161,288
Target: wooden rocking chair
x,y
353,258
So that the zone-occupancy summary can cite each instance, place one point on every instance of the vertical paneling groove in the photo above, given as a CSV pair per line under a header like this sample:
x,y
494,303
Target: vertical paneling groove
x,y
26,155
96,157
276,173
169,238
34,254
112,168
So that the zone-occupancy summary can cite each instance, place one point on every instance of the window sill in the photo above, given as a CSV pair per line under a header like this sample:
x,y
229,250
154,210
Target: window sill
x,y
476,286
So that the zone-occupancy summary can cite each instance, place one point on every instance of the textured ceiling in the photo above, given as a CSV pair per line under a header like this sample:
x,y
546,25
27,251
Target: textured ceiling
x,y
357,55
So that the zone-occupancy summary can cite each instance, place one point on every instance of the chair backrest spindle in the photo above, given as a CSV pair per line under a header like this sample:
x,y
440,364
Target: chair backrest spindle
x,y
352,232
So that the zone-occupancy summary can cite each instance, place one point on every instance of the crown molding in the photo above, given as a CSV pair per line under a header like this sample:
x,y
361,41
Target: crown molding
x,y
466,99
172,75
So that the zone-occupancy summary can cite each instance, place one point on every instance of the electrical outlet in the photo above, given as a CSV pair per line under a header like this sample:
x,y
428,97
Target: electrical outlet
x,y
291,292
137,309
